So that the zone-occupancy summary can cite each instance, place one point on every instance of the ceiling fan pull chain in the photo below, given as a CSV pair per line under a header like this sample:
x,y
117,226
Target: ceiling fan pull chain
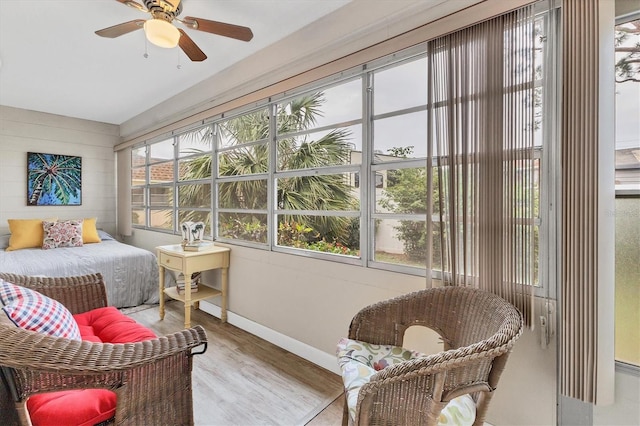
x,y
146,47
179,66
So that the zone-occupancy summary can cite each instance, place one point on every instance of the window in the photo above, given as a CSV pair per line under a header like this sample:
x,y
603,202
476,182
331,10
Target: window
x,y
138,186
627,186
242,177
336,170
171,181
317,205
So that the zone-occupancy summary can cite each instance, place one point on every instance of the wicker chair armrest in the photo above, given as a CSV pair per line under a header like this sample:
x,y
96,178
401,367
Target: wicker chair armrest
x,y
78,294
46,364
441,361
21,349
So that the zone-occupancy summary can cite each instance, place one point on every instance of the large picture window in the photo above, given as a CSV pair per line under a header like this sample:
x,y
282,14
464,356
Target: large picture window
x,y
339,170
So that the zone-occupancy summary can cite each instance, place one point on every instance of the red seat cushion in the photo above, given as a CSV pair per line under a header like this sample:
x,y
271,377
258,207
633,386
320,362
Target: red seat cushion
x,y
88,406
85,407
109,325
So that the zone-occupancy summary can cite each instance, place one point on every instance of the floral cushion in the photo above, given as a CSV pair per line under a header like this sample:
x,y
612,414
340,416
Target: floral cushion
x,y
66,233
359,361
33,311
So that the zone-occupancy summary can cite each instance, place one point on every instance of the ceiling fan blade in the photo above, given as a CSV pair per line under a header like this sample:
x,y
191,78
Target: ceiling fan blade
x,y
190,48
220,28
120,29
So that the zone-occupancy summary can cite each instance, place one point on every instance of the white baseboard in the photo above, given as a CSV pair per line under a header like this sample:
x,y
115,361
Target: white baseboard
x,y
303,350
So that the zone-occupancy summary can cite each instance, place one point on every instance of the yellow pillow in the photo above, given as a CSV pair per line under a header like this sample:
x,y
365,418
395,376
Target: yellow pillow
x,y
89,231
26,233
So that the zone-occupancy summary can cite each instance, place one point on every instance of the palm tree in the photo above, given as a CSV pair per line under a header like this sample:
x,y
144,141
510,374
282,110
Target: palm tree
x,y
322,192
57,176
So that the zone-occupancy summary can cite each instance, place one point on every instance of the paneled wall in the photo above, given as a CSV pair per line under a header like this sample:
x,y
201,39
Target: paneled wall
x,y
23,131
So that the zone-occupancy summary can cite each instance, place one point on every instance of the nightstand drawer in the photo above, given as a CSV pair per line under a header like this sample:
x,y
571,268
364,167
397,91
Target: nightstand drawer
x,y
171,262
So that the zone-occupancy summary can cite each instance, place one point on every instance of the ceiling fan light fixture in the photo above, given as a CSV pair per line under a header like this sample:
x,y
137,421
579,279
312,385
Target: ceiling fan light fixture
x,y
161,33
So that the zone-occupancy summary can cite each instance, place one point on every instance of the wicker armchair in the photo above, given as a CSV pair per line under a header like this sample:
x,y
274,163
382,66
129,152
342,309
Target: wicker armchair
x,y
478,329
152,379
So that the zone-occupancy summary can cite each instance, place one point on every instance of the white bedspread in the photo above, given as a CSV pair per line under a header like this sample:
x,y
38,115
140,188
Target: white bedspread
x,y
130,273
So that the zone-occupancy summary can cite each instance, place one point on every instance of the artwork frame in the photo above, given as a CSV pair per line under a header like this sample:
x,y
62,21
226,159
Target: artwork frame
x,y
54,179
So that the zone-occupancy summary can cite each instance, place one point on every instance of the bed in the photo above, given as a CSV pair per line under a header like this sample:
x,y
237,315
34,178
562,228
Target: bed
x,y
130,273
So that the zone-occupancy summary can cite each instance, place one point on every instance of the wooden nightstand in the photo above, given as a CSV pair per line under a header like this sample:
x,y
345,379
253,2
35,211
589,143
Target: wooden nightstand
x,y
173,257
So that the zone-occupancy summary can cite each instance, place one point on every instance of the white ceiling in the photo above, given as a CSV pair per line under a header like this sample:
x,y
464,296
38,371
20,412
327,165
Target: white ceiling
x,y
51,60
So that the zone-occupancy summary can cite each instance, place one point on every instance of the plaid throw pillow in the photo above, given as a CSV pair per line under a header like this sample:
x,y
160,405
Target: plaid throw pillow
x,y
33,311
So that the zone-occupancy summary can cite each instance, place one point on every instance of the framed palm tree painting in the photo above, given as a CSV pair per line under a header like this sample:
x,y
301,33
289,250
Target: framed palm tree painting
x,y
54,180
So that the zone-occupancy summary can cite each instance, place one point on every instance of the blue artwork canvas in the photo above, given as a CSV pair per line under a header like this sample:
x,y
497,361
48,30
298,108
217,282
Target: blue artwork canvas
x,y
54,180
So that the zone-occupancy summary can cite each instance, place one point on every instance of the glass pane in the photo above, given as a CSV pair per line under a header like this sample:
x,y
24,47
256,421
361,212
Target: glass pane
x,y
246,160
328,234
539,54
525,242
401,191
161,151
161,172
194,195
138,176
627,175
195,168
162,219
402,86
161,196
195,142
246,128
318,192
138,217
138,156
323,108
137,196
527,187
247,227
436,254
244,194
327,148
443,181
196,216
538,129
412,143
401,242
627,298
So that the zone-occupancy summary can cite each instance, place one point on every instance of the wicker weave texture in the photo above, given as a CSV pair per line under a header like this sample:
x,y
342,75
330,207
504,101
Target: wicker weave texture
x,y
478,329
152,379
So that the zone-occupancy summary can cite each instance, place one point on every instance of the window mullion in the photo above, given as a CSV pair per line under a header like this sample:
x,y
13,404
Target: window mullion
x,y
367,185
272,223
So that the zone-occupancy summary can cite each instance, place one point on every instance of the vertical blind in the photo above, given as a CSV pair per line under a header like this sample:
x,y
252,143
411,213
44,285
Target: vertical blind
x,y
585,350
481,121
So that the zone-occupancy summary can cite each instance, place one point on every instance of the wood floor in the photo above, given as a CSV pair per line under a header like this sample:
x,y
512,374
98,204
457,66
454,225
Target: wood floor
x,y
244,380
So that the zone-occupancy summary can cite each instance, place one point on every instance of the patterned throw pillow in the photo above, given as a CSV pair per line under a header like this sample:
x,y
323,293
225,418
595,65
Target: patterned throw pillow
x,y
33,311
65,233
359,361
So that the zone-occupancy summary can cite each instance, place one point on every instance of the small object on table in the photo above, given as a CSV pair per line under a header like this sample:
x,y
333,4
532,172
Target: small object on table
x,y
197,246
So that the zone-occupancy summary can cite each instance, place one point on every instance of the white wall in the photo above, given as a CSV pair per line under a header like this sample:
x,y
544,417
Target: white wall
x,y
284,297
23,131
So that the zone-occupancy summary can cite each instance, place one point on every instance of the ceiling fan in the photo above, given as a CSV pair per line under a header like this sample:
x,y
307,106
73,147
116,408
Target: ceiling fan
x,y
160,30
